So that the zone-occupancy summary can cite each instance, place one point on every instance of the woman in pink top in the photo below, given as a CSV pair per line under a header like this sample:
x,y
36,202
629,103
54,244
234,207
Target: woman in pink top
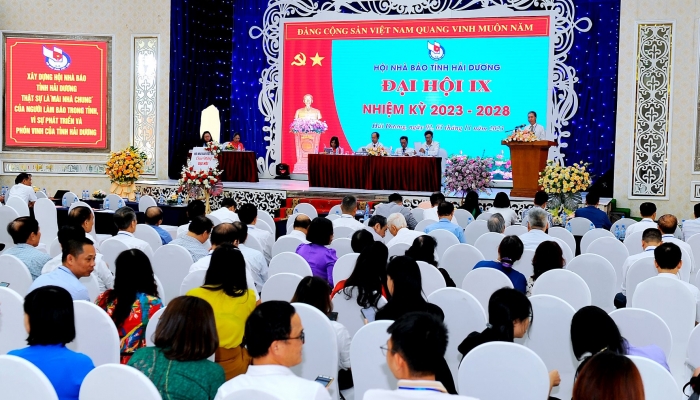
x,y
236,142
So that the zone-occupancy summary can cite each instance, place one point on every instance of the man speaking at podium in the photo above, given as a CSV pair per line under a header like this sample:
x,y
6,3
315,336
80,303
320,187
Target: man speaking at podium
x,y
534,127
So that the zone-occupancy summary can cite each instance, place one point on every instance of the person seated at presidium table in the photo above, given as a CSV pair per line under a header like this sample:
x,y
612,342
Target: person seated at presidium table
x,y
197,234
404,150
429,147
377,226
154,218
227,211
395,205
300,227
348,208
334,146
23,189
399,229
540,201
496,223
651,239
648,212
446,212
321,259
597,217
501,205
248,214
78,259
509,252
374,144
125,220
206,138
25,235
236,143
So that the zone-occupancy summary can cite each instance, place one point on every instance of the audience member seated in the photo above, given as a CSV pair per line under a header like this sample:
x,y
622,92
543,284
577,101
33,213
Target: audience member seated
x,y
540,201
255,261
510,315
668,225
593,331
154,218
399,229
509,252
377,227
537,226
360,240
368,278
25,234
184,338
23,189
132,302
227,211
195,208
226,290
348,208
78,261
648,212
125,220
496,223
609,376
651,239
50,325
414,353
692,226
591,212
667,258
274,336
432,212
501,205
423,249
321,258
248,214
471,203
548,255
395,205
315,292
446,212
82,218
300,227
196,237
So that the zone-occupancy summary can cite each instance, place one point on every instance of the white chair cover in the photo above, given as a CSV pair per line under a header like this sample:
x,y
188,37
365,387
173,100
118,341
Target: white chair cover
x,y
524,265
247,394
152,325
19,205
160,288
550,337
692,353
579,226
306,208
41,195
620,226
342,246
22,380
14,272
474,230
332,217
111,249
637,273
424,223
445,239
612,250
463,217
349,312
417,213
12,333
342,232
344,267
600,277
482,282
149,235
267,218
694,243
92,286
565,285
286,244
431,278
192,280
290,221
320,352
95,334
114,202
567,237
69,198
117,382
291,263
488,244
643,328
658,382
459,259
593,235
45,214
7,215
145,202
484,216
254,243
171,265
463,315
216,221
482,371
398,249
369,367
515,230
260,224
280,287
633,243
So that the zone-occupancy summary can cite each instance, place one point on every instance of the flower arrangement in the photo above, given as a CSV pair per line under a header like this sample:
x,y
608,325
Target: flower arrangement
x,y
463,174
196,183
303,125
213,147
99,194
502,168
172,199
522,136
125,166
378,152
564,185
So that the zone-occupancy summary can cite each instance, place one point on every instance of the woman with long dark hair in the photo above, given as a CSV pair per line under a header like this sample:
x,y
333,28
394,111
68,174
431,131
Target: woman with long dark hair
x,y
423,249
548,256
133,301
367,280
206,138
471,203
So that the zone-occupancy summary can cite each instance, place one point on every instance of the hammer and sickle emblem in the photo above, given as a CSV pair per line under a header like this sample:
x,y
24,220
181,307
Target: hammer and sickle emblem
x,y
299,60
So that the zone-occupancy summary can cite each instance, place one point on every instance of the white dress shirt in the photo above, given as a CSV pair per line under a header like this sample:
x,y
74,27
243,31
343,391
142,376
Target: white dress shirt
x,y
669,238
693,290
431,213
276,380
641,226
405,151
225,215
534,237
203,264
430,149
414,389
348,220
375,145
265,239
647,253
256,264
344,340
690,228
24,192
133,242
298,234
404,235
102,274
538,130
508,215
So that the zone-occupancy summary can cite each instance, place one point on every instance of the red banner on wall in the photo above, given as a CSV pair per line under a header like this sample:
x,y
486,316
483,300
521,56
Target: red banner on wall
x,y
56,93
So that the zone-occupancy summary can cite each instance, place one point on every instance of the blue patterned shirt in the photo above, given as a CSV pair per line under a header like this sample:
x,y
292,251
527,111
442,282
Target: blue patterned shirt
x,y
31,257
196,249
445,224
165,237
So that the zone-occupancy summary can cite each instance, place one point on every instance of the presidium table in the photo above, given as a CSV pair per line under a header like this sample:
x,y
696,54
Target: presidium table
x,y
419,174
238,166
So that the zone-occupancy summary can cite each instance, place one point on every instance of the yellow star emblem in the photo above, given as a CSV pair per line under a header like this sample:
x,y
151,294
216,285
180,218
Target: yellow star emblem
x,y
316,60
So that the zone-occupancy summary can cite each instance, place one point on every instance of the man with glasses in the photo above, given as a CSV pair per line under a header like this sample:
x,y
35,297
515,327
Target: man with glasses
x,y
274,337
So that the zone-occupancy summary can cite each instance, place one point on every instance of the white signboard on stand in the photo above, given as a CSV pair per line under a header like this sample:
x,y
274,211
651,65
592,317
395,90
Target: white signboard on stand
x,y
202,159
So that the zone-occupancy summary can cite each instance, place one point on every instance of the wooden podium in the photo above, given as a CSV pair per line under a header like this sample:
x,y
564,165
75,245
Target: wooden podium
x,y
527,160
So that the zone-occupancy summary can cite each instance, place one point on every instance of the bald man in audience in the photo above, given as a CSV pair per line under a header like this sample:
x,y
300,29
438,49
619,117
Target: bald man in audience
x,y
651,239
300,227
25,234
667,225
154,217
496,223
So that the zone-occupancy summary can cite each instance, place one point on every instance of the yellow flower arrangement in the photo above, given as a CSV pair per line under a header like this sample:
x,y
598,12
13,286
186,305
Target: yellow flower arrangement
x,y
556,179
126,166
379,151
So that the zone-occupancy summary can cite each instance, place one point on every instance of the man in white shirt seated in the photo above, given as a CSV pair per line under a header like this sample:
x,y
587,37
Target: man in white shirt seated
x,y
377,227
429,147
194,209
125,220
417,345
432,213
374,144
404,150
227,212
648,212
274,337
23,189
197,234
300,227
248,214
348,208
254,260
496,223
667,225
537,225
395,205
399,229
692,226
534,127
651,238
667,258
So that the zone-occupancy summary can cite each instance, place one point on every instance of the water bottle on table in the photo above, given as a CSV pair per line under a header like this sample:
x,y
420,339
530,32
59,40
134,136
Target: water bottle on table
x,y
138,197
366,212
64,201
161,199
106,203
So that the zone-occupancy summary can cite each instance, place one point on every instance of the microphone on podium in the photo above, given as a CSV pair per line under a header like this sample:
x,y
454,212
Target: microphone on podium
x,y
520,126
